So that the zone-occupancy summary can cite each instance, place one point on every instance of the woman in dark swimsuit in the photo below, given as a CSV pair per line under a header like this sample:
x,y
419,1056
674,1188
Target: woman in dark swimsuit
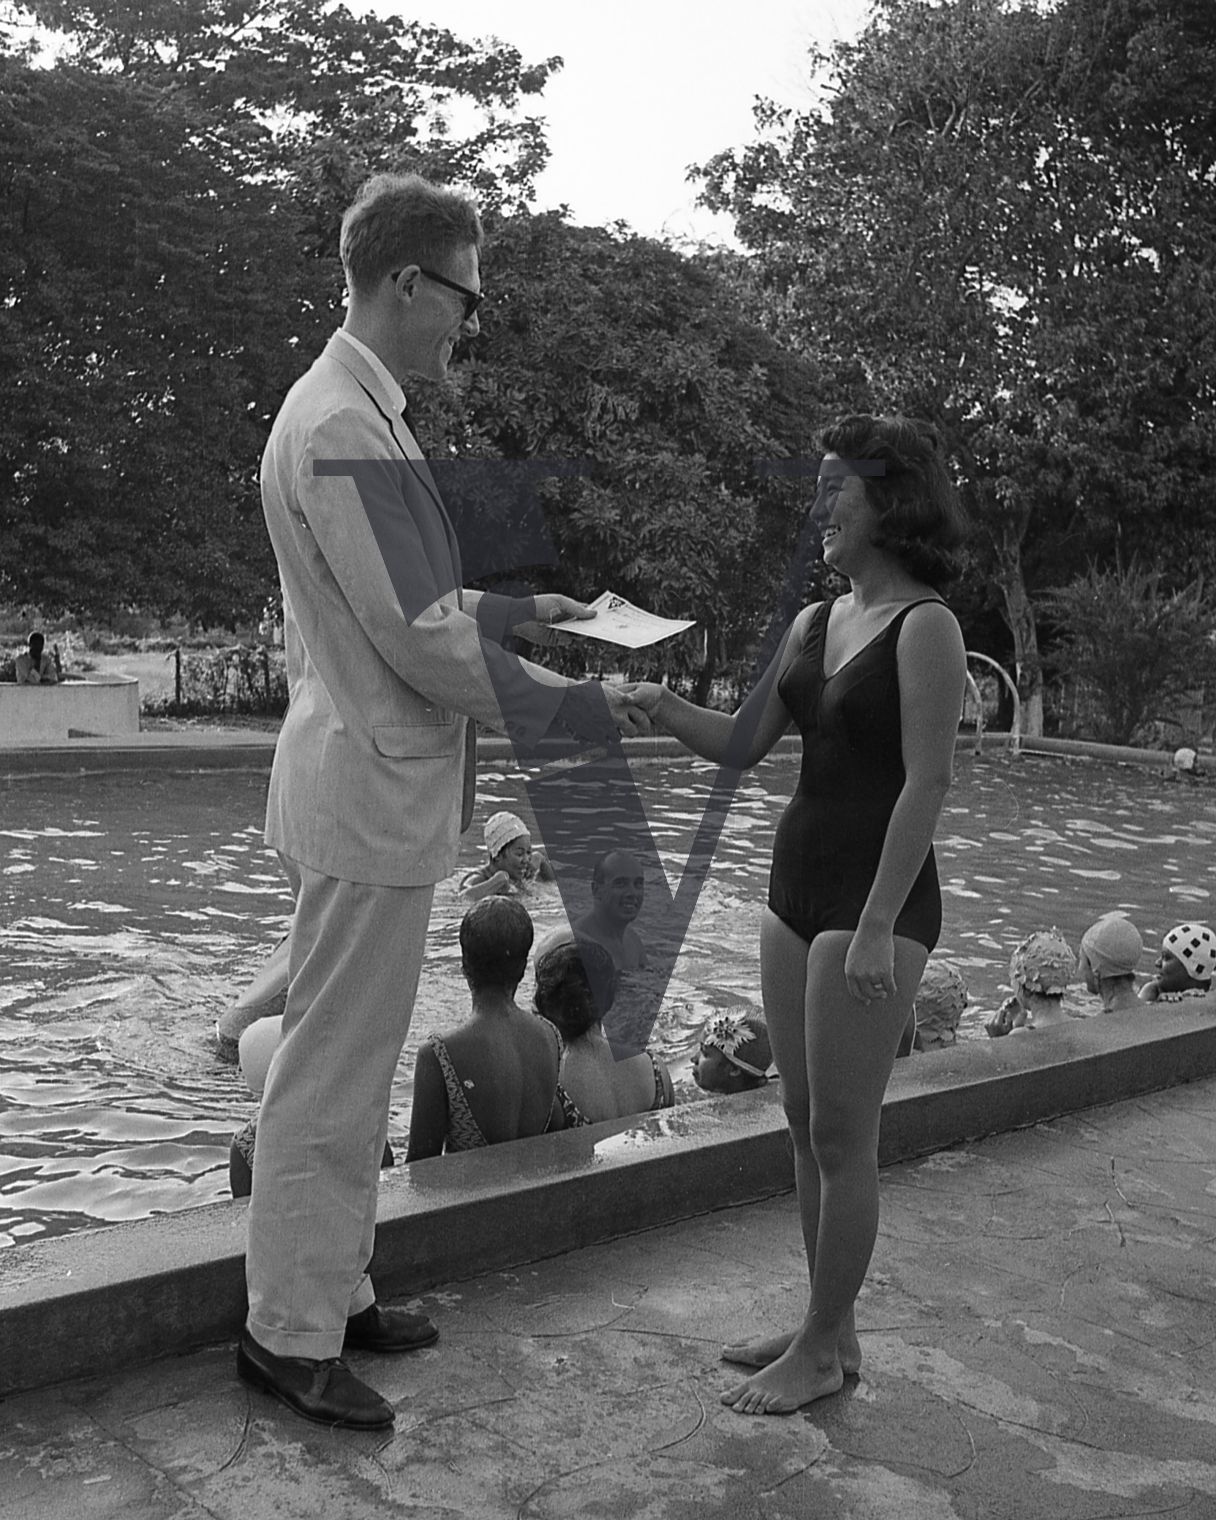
x,y
874,682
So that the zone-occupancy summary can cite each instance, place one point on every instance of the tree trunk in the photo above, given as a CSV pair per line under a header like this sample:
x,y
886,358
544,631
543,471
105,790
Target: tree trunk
x,y
709,666
1019,614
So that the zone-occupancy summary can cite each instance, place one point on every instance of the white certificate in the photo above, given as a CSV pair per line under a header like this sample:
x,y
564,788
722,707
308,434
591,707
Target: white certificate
x,y
620,622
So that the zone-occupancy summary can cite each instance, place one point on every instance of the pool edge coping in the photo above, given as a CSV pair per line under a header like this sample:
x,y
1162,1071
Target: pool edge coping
x,y
92,1302
222,749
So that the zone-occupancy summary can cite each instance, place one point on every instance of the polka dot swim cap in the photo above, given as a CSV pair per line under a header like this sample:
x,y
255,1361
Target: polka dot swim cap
x,y
1195,947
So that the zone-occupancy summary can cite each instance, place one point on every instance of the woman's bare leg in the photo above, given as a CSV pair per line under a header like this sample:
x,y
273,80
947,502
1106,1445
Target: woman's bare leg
x,y
783,974
850,1049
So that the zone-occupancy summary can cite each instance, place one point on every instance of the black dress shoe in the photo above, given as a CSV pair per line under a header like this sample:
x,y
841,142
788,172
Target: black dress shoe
x,y
378,1328
327,1392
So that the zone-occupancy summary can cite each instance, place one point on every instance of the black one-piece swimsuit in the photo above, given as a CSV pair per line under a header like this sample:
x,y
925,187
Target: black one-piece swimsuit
x,y
830,837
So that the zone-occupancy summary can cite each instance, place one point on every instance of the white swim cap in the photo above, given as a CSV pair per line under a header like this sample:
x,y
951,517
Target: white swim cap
x,y
1195,947
258,1043
501,829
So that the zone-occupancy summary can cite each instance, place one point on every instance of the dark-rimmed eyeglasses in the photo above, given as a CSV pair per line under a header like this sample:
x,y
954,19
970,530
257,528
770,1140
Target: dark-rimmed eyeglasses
x,y
472,298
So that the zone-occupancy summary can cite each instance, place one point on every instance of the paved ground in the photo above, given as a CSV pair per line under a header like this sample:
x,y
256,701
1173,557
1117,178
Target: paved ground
x,y
1038,1332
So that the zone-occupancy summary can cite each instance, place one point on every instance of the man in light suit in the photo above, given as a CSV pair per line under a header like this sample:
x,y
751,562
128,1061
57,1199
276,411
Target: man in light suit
x,y
370,787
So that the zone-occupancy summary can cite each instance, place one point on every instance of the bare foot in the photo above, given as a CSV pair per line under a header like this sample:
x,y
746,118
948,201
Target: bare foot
x,y
795,1379
848,1347
759,1352
765,1349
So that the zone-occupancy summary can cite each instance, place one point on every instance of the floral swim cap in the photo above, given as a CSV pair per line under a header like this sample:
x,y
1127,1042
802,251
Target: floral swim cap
x,y
1195,946
738,1036
940,1001
1042,963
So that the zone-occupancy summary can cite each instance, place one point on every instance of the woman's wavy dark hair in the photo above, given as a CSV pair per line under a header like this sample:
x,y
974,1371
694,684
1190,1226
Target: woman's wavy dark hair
x,y
495,938
921,520
575,987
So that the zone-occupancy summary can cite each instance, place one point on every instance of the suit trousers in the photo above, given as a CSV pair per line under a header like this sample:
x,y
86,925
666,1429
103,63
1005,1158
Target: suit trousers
x,y
356,955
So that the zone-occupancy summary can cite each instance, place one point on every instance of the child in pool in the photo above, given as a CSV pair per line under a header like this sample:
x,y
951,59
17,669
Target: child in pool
x,y
1040,970
510,864
734,1054
939,1004
576,985
256,1047
1184,967
1110,952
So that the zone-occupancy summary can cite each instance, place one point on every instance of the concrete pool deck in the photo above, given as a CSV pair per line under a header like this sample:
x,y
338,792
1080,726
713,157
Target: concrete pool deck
x,y
1036,1330
75,1304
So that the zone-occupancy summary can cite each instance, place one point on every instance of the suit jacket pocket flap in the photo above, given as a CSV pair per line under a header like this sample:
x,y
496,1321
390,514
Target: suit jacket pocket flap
x,y
414,741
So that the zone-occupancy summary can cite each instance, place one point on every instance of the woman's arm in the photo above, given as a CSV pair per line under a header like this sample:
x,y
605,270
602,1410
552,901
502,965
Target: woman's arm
x,y
429,1110
474,888
743,738
932,667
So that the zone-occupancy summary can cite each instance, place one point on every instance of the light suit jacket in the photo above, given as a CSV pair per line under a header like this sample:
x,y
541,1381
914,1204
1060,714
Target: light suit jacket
x,y
367,777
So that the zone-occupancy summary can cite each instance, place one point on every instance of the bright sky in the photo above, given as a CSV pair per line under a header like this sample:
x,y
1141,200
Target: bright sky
x,y
648,87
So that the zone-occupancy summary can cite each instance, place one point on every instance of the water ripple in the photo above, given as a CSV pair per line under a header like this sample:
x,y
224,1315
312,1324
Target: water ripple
x,y
134,908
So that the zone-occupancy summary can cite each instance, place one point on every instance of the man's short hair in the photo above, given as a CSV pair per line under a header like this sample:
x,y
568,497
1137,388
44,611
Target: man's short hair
x,y
37,643
599,871
399,219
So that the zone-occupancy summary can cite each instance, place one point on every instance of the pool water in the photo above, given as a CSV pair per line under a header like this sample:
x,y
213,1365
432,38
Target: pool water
x,y
135,905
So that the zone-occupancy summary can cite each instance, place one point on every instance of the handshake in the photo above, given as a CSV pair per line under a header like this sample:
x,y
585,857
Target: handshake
x,y
633,705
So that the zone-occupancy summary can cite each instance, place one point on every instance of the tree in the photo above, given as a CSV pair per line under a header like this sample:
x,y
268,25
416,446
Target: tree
x,y
170,194
638,363
1146,654
1005,213
140,281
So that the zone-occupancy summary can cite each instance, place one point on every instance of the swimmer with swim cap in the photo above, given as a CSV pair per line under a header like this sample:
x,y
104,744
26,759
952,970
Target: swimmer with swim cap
x,y
1184,967
1110,952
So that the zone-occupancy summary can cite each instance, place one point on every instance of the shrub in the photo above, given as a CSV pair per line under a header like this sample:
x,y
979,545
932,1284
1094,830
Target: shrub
x,y
1137,655
240,678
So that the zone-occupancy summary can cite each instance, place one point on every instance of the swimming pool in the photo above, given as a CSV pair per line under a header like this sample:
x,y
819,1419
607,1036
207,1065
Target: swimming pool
x,y
134,905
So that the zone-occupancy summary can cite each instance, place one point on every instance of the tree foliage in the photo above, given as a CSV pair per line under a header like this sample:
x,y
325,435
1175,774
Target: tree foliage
x,y
1143,654
170,192
1004,213
640,364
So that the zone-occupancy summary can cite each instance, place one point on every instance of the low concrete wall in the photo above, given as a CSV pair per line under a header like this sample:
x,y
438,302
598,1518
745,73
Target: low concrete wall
x,y
85,1303
101,705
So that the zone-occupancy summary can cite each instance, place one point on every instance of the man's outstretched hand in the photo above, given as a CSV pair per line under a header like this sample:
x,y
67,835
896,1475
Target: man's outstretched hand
x,y
552,607
629,715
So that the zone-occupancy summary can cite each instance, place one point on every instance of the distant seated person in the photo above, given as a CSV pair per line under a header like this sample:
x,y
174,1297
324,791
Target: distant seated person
x,y
257,1047
510,863
734,1054
35,667
1040,970
575,988
495,1077
1184,967
618,889
1110,952
941,1000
